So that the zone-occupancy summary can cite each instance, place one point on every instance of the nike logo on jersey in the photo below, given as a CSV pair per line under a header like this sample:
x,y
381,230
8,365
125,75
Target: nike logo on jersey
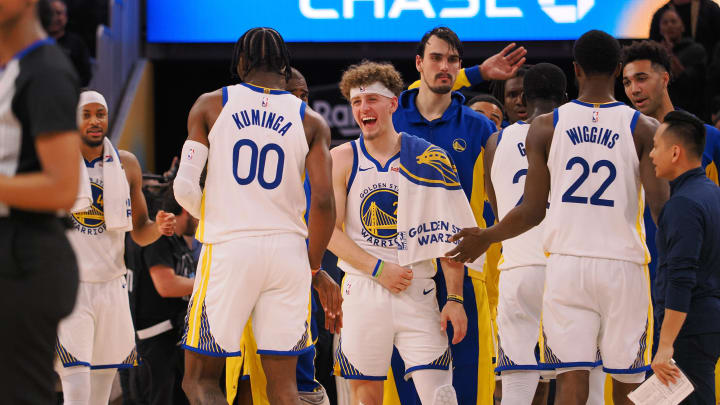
x,y
426,292
362,169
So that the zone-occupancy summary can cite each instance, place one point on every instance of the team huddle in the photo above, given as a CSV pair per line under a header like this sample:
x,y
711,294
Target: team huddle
x,y
405,209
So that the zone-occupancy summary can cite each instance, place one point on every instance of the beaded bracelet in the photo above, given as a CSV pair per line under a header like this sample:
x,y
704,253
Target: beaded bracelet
x,y
316,271
377,271
455,298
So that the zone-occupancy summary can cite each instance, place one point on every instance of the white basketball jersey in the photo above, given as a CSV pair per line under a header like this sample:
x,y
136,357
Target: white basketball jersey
x,y
371,210
99,252
508,172
596,198
256,166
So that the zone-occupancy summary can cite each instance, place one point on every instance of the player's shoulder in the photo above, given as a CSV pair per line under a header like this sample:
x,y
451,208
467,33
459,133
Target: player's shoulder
x,y
128,159
343,153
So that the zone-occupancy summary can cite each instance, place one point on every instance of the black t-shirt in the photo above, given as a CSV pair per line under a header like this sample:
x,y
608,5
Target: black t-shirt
x,y
149,307
43,88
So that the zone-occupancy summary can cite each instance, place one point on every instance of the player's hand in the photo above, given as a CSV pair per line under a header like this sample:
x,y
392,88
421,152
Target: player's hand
x,y
503,65
663,366
455,314
473,243
395,278
165,223
330,299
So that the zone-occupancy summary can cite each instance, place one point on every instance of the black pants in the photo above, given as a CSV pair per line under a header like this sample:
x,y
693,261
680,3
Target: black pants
x,y
696,356
158,381
38,284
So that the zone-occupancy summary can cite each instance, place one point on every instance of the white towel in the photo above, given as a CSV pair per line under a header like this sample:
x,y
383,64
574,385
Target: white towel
x,y
431,203
116,191
84,199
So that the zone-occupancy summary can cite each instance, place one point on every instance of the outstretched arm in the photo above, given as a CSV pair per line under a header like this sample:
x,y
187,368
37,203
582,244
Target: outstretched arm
x,y
145,231
489,157
475,241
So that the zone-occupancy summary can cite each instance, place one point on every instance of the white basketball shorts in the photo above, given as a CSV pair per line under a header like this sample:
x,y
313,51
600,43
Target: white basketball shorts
x,y
266,277
374,319
596,311
518,317
99,332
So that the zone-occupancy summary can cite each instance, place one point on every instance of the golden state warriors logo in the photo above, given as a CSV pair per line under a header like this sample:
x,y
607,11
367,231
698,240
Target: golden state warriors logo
x,y
445,172
378,213
459,144
93,217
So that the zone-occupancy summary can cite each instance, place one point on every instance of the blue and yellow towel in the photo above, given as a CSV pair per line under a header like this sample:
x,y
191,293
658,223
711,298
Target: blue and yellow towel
x,y
431,203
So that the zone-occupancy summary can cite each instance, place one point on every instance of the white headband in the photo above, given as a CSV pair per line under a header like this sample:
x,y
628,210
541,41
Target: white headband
x,y
375,88
89,97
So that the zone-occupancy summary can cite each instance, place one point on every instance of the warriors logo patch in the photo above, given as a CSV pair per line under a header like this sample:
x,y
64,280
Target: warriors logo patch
x,y
459,145
93,217
378,213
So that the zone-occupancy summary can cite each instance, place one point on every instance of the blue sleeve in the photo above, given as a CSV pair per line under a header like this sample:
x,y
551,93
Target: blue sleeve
x,y
473,75
682,223
712,146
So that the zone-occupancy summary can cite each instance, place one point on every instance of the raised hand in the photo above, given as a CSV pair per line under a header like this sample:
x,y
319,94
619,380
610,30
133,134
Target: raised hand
x,y
503,65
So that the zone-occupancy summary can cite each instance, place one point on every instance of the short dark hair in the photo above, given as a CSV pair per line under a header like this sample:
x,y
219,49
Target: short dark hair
x,y
689,129
497,87
647,50
597,52
261,48
444,33
545,81
487,98
169,203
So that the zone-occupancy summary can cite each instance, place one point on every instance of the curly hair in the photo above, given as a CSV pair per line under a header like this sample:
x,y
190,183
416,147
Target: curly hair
x,y
647,50
597,53
367,72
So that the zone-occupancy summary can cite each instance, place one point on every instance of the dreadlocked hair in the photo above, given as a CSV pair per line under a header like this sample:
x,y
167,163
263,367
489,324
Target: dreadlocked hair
x,y
261,48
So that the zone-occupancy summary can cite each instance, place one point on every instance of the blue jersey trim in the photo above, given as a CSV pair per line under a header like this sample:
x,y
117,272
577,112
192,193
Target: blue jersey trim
x,y
286,352
303,106
521,122
211,354
642,369
245,377
106,366
553,366
354,168
33,46
556,117
499,136
603,105
76,363
364,377
380,167
264,90
224,96
634,121
426,367
92,162
518,367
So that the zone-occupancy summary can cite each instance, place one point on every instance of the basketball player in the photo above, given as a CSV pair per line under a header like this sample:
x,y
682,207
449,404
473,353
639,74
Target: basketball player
x,y
589,159
488,106
384,303
437,114
522,265
39,161
646,74
258,142
98,337
249,388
